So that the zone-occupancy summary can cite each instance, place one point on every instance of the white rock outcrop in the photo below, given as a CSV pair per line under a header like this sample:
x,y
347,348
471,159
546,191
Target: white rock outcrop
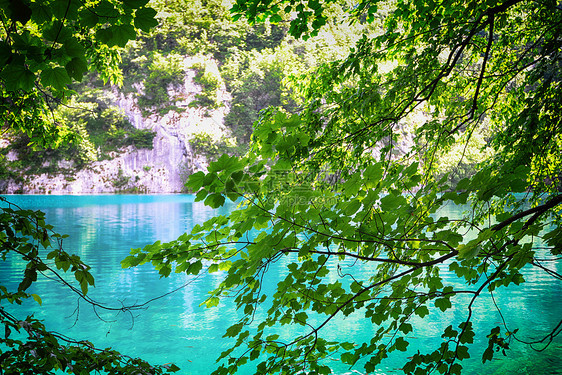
x,y
162,169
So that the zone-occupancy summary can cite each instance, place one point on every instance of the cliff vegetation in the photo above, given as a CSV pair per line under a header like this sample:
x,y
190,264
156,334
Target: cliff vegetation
x,y
191,89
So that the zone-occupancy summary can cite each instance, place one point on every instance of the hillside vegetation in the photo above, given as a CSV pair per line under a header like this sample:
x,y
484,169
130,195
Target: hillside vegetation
x,y
259,66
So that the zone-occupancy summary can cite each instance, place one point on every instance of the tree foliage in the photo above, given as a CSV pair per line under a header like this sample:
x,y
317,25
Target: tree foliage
x,y
44,47
337,182
253,61
28,347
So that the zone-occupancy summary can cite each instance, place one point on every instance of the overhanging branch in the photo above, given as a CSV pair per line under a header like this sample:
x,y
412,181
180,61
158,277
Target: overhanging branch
x,y
535,211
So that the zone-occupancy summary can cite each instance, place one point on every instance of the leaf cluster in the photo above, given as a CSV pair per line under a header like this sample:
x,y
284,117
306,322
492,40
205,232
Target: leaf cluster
x,y
27,345
355,212
45,46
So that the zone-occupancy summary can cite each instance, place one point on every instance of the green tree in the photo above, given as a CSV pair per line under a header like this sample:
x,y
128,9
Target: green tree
x,y
339,181
45,46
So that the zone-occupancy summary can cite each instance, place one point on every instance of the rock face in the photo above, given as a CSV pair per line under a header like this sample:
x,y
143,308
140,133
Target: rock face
x,y
162,169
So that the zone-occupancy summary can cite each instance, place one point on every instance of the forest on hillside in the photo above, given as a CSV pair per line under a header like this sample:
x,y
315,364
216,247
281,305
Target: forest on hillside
x,y
260,66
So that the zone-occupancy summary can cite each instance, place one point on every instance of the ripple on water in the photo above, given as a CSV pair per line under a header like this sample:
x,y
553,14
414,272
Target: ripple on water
x,y
103,229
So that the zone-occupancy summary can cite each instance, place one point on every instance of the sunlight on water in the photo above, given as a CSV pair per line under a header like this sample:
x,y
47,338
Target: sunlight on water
x,y
176,329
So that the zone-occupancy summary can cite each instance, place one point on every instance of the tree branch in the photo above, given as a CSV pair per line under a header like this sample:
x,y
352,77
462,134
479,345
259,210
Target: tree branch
x,y
537,211
483,69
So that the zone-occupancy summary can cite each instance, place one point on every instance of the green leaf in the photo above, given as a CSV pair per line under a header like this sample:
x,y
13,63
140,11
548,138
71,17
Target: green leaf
x,y
462,352
65,9
20,11
41,13
373,172
105,35
488,354
214,200
37,299
5,53
121,34
73,48
226,163
194,268
76,68
212,302
469,250
173,368
390,202
233,330
443,303
355,287
18,77
24,284
106,9
88,18
352,207
401,344
195,181
89,278
144,19
165,271
422,311
450,332
347,358
406,328
135,4
213,268
301,318
56,78
468,335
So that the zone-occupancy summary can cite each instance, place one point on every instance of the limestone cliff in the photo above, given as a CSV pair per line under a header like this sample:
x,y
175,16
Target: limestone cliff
x,y
162,169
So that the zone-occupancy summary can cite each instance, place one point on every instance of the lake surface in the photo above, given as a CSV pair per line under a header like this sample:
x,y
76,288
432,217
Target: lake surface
x,y
175,329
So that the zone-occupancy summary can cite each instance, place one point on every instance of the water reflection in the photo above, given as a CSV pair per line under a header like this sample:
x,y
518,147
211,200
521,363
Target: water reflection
x,y
176,329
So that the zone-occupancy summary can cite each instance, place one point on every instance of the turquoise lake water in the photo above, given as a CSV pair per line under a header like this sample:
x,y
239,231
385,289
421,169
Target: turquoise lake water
x,y
175,329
